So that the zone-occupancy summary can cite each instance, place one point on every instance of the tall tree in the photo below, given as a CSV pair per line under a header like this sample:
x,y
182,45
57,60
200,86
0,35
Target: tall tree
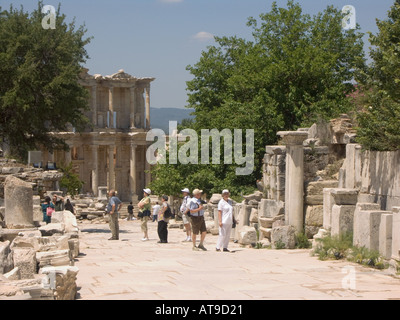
x,y
379,125
297,69
39,71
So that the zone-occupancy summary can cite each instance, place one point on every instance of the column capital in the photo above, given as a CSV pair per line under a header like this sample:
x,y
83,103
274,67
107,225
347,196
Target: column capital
x,y
293,138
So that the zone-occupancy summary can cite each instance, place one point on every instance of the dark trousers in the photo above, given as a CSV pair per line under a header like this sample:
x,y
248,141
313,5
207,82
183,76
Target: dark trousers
x,y
163,231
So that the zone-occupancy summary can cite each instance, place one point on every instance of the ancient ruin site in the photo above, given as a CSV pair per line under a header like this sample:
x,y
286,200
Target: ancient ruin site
x,y
283,184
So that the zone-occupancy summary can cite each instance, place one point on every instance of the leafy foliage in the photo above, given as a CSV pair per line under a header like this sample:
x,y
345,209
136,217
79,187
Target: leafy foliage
x,y
379,125
39,70
70,180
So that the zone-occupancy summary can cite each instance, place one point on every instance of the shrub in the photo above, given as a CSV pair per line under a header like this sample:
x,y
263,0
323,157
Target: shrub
x,y
302,241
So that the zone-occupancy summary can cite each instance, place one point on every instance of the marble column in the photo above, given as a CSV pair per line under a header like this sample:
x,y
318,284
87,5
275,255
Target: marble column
x,y
148,107
133,175
68,156
111,168
111,107
95,169
147,169
294,184
94,105
132,107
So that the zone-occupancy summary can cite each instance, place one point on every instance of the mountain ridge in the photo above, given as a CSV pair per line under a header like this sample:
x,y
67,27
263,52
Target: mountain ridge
x,y
160,117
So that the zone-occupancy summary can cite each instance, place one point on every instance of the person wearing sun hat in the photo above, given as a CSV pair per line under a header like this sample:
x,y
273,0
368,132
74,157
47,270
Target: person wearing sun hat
x,y
225,219
185,210
198,222
144,212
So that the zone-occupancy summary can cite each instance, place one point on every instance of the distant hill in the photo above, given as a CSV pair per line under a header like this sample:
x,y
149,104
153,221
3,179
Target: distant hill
x,y
160,117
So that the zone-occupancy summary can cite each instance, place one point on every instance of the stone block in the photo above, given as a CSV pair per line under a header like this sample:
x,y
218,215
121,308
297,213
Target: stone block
x,y
385,235
254,196
247,235
366,228
253,216
11,170
311,231
342,219
285,235
345,196
37,213
14,274
52,229
215,198
317,187
270,208
314,215
18,197
339,196
65,277
244,215
396,233
314,200
25,260
265,233
54,258
26,242
73,245
266,222
327,207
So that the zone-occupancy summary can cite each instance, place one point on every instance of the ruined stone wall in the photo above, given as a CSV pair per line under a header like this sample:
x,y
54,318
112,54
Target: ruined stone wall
x,y
375,174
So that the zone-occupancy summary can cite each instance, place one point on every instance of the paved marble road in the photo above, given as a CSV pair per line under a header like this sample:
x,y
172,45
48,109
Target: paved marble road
x,y
136,270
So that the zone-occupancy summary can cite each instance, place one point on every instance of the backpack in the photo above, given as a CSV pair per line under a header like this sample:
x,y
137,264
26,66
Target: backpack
x,y
167,213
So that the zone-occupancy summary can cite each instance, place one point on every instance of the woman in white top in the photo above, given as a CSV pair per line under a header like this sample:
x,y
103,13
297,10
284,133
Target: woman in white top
x,y
225,218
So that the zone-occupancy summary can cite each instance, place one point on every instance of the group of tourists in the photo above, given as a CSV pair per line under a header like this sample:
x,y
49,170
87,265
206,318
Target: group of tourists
x,y
192,210
56,203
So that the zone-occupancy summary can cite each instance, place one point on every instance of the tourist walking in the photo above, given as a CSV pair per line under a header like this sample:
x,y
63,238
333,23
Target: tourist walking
x,y
185,210
113,206
164,215
156,209
198,222
144,212
225,220
130,212
46,211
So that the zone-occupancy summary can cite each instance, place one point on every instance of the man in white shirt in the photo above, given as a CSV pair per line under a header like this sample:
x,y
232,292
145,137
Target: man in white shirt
x,y
185,210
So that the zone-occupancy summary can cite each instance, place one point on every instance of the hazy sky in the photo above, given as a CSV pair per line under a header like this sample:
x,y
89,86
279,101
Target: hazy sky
x,y
159,38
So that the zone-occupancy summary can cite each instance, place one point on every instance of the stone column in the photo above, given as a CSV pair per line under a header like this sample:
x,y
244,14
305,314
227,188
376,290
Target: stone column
x,y
111,168
18,196
147,169
133,176
68,156
94,105
294,185
95,169
111,106
148,107
132,107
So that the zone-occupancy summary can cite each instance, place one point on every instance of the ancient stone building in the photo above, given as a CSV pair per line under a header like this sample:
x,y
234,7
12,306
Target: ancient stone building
x,y
112,153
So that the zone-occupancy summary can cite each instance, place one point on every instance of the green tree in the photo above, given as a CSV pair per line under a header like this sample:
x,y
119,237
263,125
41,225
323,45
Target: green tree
x,y
297,69
378,119
39,71
70,180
